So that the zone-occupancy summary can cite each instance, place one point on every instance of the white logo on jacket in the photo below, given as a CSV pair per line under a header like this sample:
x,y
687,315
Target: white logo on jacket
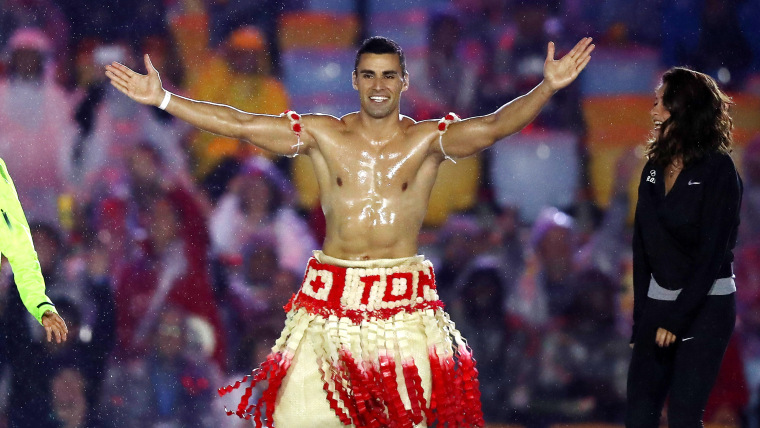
x,y
652,173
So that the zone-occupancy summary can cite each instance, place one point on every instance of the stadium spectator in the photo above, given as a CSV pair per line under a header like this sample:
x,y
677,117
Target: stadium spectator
x,y
38,127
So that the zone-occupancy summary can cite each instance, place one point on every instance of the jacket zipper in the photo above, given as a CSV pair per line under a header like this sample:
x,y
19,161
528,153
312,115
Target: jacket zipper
x,y
5,217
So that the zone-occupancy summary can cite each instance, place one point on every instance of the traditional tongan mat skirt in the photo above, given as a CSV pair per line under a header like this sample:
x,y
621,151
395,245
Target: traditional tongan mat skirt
x,y
365,344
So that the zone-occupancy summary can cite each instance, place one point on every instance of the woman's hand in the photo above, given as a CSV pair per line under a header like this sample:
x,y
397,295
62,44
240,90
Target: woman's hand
x,y
664,338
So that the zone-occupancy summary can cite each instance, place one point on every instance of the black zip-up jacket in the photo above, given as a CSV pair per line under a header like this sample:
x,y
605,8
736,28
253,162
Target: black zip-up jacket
x,y
685,239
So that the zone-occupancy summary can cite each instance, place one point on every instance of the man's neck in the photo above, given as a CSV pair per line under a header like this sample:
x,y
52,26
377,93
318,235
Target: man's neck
x,y
379,129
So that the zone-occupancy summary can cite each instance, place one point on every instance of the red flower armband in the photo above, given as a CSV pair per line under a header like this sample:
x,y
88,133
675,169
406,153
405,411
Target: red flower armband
x,y
296,127
443,126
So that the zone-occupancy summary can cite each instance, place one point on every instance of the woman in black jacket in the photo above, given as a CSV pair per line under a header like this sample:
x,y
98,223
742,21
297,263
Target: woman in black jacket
x,y
687,217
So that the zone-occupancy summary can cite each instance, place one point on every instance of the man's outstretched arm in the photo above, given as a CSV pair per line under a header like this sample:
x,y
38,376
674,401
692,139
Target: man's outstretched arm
x,y
272,133
470,136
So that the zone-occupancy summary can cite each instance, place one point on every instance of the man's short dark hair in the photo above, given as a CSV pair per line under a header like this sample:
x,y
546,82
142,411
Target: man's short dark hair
x,y
381,45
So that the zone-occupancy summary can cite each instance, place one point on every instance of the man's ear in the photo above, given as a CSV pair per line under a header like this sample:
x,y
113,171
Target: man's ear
x,y
353,80
405,86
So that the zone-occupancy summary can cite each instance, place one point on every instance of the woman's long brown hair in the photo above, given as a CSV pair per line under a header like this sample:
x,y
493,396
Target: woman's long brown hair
x,y
699,122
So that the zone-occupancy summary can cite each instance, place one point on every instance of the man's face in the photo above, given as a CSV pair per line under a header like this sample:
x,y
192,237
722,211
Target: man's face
x,y
379,80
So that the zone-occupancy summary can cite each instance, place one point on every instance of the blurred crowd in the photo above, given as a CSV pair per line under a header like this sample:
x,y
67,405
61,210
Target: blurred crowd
x,y
170,252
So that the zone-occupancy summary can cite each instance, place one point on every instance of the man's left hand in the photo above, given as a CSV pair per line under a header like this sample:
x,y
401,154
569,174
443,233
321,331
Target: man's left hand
x,y
560,73
54,327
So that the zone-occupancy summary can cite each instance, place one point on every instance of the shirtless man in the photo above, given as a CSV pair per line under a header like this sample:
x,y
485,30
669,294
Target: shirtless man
x,y
367,302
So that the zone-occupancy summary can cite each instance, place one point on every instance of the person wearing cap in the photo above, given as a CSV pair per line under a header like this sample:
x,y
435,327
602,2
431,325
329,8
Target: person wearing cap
x,y
17,246
546,286
237,73
37,126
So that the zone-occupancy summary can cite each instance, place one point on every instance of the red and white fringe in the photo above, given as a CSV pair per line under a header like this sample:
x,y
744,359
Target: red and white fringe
x,y
357,362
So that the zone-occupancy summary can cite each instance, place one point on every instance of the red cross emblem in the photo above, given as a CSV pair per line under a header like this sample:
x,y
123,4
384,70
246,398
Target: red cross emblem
x,y
317,284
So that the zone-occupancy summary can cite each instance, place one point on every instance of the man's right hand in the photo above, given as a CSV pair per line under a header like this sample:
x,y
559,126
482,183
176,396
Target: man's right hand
x,y
145,89
55,327
272,133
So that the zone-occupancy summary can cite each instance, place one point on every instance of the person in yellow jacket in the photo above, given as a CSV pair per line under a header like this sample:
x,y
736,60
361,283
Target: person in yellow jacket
x,y
17,246
237,73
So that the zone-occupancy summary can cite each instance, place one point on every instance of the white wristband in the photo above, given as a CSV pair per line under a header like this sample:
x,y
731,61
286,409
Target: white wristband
x,y
165,102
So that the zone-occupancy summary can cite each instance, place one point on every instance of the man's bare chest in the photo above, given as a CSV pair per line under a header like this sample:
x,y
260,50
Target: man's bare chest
x,y
376,167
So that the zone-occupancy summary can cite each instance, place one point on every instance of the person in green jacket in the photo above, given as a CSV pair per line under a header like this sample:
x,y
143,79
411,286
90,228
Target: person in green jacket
x,y
17,246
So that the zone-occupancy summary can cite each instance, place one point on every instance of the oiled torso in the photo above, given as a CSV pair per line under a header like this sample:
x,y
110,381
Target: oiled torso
x,y
374,191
